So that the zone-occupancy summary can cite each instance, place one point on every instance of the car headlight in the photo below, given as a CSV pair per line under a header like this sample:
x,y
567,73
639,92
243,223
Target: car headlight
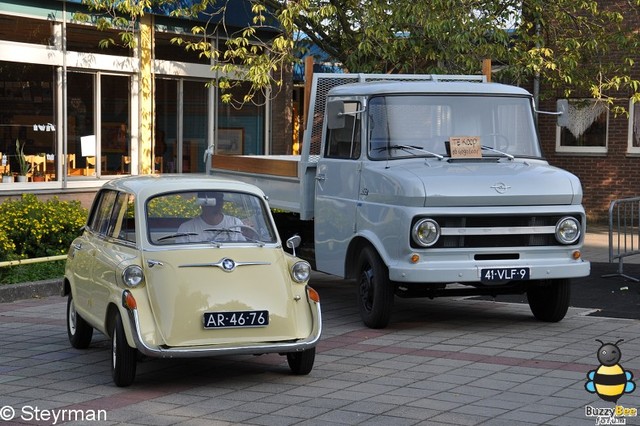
x,y
132,276
300,272
567,230
425,232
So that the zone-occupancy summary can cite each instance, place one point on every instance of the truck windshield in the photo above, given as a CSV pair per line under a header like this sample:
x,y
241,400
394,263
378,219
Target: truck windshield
x,y
402,126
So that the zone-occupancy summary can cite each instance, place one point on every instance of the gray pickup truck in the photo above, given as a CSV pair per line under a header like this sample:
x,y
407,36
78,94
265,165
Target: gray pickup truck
x,y
428,186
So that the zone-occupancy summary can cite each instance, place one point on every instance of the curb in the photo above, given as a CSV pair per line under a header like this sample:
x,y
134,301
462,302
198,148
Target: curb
x,y
30,290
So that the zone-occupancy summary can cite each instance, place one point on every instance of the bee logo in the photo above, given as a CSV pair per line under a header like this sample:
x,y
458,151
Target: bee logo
x,y
610,381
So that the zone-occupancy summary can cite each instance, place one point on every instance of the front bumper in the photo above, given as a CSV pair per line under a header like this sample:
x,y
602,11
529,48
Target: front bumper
x,y
469,271
247,349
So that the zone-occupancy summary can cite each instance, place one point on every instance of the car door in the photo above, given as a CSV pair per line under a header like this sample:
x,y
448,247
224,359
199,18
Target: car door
x,y
337,191
90,251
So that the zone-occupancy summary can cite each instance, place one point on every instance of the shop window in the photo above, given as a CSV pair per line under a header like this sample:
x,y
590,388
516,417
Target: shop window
x,y
247,119
26,115
25,30
86,39
583,126
168,51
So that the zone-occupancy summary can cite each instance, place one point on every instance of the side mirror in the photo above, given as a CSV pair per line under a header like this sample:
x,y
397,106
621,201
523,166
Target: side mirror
x,y
335,115
293,243
562,106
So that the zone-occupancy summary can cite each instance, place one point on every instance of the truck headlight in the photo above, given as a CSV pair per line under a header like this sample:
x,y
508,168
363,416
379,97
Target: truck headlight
x,y
567,230
300,272
425,232
132,276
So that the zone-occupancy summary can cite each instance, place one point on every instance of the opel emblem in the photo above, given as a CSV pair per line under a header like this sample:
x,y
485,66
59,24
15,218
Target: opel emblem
x,y
228,265
501,187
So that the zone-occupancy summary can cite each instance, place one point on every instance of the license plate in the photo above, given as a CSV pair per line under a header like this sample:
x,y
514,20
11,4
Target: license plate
x,y
504,274
235,319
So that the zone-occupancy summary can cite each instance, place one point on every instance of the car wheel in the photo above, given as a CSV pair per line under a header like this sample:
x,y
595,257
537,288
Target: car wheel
x,y
549,299
375,290
123,356
301,362
78,330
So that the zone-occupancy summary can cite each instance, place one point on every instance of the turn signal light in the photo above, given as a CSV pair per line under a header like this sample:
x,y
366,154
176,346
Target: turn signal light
x,y
415,258
128,301
313,295
577,255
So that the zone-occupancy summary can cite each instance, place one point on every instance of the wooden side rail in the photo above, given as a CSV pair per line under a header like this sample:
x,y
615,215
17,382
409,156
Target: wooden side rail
x,y
257,164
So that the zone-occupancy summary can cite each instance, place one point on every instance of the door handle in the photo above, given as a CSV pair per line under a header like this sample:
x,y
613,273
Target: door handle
x,y
321,177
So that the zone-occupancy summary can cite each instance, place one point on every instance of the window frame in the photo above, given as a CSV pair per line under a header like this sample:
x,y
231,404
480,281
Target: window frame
x,y
583,149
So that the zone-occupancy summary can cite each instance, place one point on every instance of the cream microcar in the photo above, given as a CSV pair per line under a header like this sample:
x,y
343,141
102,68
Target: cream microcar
x,y
188,266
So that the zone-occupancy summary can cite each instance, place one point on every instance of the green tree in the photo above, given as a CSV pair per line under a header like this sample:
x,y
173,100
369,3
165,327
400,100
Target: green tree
x,y
568,44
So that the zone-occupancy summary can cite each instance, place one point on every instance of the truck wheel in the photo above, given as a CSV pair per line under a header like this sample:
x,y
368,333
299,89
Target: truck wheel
x,y
78,330
375,291
123,356
301,362
549,299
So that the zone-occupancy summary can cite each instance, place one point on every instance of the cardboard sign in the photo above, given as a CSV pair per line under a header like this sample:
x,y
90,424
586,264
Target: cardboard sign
x,y
465,147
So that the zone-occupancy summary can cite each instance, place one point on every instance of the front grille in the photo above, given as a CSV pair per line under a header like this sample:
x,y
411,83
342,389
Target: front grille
x,y
496,231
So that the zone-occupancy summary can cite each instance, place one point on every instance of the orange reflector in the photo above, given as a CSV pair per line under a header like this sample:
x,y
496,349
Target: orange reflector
x,y
128,301
313,295
415,258
577,255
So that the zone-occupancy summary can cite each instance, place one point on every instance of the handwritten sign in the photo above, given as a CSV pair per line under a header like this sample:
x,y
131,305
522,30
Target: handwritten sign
x,y
465,147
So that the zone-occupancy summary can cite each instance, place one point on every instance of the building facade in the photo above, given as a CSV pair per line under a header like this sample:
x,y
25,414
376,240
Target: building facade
x,y
82,114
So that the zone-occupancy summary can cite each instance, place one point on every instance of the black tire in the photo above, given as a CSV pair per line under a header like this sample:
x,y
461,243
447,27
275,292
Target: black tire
x,y
301,363
375,290
78,330
123,356
549,299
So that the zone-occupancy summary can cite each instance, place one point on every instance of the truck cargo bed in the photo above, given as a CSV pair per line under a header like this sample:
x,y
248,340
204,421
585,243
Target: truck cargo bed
x,y
283,178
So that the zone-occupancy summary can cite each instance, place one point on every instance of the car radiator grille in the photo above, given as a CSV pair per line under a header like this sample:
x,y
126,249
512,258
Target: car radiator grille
x,y
496,231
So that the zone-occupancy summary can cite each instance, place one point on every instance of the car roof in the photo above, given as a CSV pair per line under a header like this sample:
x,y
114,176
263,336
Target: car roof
x,y
145,186
426,87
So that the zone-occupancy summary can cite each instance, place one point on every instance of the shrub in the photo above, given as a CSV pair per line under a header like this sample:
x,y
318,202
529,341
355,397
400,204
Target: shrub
x,y
35,228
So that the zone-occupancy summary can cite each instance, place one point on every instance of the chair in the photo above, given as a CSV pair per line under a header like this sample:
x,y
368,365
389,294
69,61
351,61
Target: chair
x,y
91,164
38,165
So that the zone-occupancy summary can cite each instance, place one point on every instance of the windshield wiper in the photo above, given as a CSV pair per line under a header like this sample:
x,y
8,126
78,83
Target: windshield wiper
x,y
488,148
177,235
408,148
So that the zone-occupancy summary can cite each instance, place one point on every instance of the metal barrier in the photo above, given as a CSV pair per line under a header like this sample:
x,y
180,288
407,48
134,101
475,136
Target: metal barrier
x,y
624,233
34,260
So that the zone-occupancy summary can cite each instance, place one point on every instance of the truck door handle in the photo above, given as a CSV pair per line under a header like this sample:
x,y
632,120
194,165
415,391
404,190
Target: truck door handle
x,y
321,177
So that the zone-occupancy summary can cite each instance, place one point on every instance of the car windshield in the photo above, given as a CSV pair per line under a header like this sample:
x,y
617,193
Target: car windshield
x,y
424,125
208,217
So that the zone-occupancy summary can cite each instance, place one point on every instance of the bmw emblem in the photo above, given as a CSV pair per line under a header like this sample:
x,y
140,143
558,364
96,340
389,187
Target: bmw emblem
x,y
228,265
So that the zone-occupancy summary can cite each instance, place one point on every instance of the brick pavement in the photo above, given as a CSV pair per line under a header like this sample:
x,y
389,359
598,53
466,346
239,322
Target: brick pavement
x,y
444,361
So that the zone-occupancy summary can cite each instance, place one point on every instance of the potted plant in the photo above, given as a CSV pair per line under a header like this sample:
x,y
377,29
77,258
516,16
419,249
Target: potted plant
x,y
38,176
7,177
23,164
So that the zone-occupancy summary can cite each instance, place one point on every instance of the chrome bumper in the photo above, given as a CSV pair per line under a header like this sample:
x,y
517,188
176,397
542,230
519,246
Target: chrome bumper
x,y
206,351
